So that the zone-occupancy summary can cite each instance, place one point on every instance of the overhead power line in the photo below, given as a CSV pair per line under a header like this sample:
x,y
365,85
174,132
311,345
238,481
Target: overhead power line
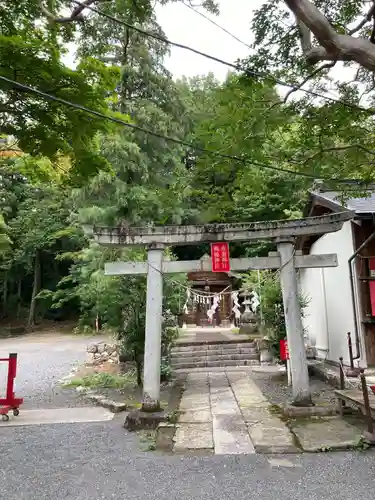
x,y
216,24
235,66
244,160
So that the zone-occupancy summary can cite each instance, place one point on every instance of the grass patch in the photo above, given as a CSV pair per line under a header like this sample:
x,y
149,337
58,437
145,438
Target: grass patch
x,y
172,416
148,440
104,381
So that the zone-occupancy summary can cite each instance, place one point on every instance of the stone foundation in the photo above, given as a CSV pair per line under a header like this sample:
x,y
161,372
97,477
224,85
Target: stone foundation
x,y
101,352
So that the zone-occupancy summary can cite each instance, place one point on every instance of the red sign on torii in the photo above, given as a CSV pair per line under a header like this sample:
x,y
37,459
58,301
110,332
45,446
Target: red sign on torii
x,y
220,257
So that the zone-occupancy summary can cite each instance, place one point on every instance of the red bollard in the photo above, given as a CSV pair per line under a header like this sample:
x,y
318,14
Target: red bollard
x,y
10,402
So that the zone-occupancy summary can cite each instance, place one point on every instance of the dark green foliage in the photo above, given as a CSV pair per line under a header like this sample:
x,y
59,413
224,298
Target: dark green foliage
x,y
268,287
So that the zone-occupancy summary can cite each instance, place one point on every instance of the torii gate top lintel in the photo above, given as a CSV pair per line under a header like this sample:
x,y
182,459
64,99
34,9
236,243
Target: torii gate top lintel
x,y
195,234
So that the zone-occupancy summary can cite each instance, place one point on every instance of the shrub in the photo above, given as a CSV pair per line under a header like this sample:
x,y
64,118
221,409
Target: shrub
x,y
271,303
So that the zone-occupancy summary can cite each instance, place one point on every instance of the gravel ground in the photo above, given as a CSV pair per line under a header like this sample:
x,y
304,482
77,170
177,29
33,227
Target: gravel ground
x,y
274,387
97,461
43,359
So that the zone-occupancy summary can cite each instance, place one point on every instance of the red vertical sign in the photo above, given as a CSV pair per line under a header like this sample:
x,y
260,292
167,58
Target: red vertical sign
x,y
220,257
284,351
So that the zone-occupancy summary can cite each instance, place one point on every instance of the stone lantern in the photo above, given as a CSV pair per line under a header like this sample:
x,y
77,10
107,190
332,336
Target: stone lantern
x,y
248,320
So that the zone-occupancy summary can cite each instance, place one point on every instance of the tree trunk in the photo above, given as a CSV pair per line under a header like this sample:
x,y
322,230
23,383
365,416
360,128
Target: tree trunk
x,y
138,365
36,288
19,298
5,295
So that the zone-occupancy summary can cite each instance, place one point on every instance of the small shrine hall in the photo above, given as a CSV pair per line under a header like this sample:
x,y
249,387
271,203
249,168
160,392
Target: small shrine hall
x,y
209,299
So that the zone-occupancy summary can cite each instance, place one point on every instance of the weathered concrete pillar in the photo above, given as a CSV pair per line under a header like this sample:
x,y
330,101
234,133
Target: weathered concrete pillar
x,y
294,327
154,310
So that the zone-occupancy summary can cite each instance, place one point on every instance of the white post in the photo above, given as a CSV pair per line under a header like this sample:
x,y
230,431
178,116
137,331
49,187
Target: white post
x,y
294,328
154,310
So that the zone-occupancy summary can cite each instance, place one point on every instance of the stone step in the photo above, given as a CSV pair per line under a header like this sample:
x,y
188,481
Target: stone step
x,y
215,364
212,347
217,369
214,352
175,360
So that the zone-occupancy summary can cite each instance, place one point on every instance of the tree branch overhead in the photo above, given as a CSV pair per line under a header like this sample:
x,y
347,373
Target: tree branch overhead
x,y
75,16
332,46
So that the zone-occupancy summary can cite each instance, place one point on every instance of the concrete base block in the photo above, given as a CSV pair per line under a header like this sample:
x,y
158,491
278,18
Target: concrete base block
x,y
139,419
308,411
369,437
326,434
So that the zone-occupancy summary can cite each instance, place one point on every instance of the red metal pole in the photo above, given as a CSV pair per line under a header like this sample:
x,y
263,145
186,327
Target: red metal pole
x,y
12,370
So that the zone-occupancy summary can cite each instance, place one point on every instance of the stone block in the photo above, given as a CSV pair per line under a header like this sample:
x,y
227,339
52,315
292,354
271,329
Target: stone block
x,y
272,436
325,434
212,364
255,415
101,348
308,411
164,436
195,416
248,329
193,436
138,419
231,436
111,348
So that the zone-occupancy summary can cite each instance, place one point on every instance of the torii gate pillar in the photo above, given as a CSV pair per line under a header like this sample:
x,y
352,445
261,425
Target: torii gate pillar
x,y
293,323
154,311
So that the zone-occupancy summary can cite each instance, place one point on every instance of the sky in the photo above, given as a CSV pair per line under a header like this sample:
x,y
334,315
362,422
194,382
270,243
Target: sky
x,y
180,24
183,25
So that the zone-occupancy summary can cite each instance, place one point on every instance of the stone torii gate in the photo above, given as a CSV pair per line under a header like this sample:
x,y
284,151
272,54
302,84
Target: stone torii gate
x,y
283,233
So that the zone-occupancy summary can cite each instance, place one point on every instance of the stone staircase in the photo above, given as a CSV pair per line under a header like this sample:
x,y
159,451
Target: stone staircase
x,y
185,357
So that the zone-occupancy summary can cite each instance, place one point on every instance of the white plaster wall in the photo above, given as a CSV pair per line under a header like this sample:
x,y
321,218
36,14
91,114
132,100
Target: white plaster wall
x,y
329,315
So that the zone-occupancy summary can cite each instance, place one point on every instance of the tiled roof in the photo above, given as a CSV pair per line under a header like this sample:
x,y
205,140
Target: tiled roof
x,y
359,205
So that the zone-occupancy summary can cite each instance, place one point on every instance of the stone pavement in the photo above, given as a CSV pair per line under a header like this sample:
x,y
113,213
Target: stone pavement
x,y
227,413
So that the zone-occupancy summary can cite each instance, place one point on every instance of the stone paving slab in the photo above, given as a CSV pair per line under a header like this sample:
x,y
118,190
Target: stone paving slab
x,y
247,393
59,416
324,434
230,436
195,416
271,435
228,412
197,436
255,415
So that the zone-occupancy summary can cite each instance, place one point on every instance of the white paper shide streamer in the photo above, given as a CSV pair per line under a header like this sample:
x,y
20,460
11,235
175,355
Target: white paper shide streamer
x,y
185,308
236,305
215,304
255,302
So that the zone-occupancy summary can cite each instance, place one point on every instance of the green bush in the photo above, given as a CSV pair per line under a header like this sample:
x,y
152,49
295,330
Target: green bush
x,y
165,369
272,307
